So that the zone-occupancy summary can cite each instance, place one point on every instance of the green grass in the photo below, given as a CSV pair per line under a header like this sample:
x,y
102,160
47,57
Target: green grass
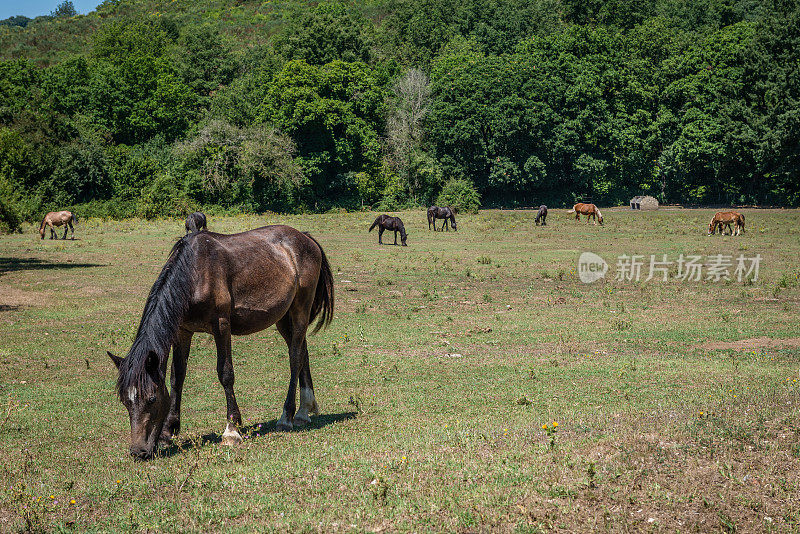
x,y
444,360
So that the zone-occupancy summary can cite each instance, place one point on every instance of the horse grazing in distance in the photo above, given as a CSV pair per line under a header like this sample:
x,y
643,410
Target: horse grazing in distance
x,y
387,222
224,285
590,210
448,213
58,218
542,215
195,222
726,218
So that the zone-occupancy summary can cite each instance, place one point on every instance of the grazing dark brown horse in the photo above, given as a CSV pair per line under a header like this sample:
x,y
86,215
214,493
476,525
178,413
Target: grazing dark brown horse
x,y
542,214
448,213
195,222
590,210
58,218
224,284
387,222
726,218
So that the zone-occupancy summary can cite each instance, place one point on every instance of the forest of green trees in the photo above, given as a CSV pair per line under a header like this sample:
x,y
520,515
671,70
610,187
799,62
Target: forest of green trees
x,y
156,107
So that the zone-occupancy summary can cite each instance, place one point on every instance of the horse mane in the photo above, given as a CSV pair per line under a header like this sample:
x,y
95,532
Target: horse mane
x,y
165,307
43,220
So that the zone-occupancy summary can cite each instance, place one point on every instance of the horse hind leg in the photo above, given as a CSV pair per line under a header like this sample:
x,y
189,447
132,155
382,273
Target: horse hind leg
x,y
293,330
308,402
222,338
72,231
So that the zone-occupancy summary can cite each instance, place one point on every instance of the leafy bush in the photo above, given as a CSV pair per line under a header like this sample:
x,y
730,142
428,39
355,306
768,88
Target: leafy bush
x,y
164,199
461,195
10,217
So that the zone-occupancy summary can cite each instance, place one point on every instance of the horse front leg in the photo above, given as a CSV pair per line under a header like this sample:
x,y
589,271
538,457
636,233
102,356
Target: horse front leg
x,y
180,357
395,237
222,337
294,332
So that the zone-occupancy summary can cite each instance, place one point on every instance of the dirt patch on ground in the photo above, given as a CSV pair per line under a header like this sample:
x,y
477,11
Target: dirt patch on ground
x,y
753,343
13,297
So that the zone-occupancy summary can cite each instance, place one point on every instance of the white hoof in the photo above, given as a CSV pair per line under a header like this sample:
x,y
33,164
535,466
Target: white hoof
x,y
284,423
231,436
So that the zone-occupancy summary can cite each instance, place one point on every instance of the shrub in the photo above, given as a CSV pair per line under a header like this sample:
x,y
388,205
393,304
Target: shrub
x,y
164,199
461,195
10,216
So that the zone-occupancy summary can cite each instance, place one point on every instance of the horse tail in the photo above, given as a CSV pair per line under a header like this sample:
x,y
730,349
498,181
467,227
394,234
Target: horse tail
x,y
571,211
741,220
374,224
323,299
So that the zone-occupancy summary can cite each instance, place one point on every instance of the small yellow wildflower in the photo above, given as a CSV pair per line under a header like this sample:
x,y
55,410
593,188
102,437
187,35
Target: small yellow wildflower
x,y
555,423
544,426
72,501
52,496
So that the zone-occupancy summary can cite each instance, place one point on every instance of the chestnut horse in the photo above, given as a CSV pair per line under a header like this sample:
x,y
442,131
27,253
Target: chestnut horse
x,y
58,218
448,213
224,284
195,222
726,218
590,210
386,222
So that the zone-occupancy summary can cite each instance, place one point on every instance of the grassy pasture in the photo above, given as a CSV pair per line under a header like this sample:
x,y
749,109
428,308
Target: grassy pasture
x,y
676,402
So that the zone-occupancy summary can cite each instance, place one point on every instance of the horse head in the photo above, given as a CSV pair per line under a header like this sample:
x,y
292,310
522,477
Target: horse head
x,y
712,226
145,396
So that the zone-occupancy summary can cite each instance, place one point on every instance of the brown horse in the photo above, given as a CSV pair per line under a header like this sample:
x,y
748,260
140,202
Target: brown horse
x,y
224,284
386,222
590,210
58,218
448,213
726,218
195,222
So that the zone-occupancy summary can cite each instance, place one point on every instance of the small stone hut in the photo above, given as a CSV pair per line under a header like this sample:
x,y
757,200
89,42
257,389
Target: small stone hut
x,y
644,202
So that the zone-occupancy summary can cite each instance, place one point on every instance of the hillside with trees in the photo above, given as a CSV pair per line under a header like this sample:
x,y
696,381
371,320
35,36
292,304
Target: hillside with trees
x,y
156,107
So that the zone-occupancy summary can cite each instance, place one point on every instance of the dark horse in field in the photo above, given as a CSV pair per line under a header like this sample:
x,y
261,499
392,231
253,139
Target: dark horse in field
x,y
224,284
435,212
541,215
195,222
387,222
722,219
58,218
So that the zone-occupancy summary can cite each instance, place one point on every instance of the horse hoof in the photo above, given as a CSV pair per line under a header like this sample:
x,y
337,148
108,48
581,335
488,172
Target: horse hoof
x,y
301,419
231,436
284,426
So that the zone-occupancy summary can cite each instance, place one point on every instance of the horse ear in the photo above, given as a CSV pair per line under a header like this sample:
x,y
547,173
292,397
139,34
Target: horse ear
x,y
116,359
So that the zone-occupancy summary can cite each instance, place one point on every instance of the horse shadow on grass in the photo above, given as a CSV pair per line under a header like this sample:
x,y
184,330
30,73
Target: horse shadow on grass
x,y
250,432
8,265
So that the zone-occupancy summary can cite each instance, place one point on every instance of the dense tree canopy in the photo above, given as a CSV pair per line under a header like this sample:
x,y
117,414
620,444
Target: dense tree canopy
x,y
155,108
